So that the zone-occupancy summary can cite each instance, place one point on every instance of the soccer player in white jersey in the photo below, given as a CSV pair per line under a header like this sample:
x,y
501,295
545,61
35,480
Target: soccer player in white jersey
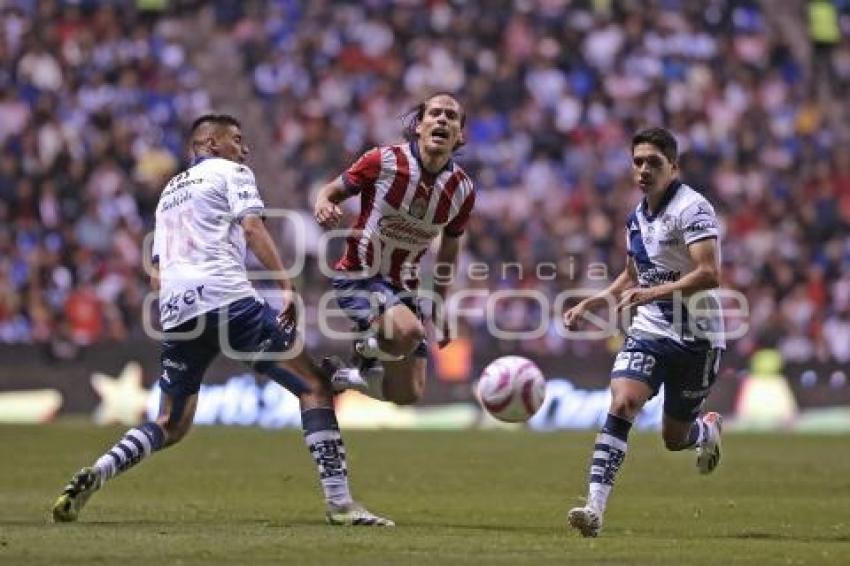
x,y
410,194
206,218
676,335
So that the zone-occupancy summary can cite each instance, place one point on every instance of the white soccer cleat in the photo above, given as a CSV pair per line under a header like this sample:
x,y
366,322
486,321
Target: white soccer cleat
x,y
343,378
586,520
708,455
75,495
355,515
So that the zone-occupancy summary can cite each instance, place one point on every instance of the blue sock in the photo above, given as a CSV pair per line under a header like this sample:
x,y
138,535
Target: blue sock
x,y
136,444
608,455
321,434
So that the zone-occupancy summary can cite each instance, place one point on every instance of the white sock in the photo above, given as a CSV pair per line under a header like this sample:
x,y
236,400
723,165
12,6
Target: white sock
x,y
136,444
321,434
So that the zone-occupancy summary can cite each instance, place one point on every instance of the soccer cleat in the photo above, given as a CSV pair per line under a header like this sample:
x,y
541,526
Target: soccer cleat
x,y
75,495
586,520
342,377
355,515
708,455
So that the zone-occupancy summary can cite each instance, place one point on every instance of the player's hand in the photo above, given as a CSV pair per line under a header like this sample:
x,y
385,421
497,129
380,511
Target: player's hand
x,y
288,316
635,297
573,316
288,313
327,214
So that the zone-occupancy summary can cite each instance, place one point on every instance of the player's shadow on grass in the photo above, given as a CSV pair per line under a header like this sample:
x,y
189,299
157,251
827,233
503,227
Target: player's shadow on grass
x,y
531,529
786,537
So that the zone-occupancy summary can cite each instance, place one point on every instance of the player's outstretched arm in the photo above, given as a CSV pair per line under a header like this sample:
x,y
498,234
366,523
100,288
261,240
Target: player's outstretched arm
x,y
626,279
260,242
327,211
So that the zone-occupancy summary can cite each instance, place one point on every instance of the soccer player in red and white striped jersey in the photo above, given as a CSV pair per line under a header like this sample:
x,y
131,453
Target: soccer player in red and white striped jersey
x,y
410,194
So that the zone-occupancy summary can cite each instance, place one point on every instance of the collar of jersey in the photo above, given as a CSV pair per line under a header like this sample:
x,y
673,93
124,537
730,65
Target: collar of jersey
x,y
414,149
669,193
197,160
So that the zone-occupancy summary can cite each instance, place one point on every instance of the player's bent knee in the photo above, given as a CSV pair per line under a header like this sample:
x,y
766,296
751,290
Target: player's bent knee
x,y
625,407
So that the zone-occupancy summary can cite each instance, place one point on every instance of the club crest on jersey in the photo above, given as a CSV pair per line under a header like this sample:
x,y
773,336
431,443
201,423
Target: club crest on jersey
x,y
418,207
419,204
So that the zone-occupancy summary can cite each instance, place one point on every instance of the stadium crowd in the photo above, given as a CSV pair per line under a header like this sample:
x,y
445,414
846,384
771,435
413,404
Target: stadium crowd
x,y
92,107
94,102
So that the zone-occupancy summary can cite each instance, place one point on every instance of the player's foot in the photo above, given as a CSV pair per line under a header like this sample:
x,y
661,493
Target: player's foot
x,y
356,515
342,377
75,495
708,455
586,520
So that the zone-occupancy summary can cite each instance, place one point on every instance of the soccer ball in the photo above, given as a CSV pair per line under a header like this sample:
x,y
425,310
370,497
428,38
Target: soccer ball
x,y
511,389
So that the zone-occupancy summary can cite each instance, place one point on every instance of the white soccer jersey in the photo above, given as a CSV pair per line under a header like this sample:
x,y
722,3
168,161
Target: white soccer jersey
x,y
658,244
198,239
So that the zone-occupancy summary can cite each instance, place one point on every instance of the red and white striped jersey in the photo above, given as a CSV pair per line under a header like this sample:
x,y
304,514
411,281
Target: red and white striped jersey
x,y
403,208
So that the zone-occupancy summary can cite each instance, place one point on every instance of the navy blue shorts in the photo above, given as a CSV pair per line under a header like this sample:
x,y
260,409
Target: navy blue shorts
x,y
252,327
353,296
686,372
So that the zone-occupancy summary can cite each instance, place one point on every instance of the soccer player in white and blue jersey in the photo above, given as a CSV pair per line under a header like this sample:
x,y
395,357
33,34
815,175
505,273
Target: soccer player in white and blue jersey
x,y
676,335
206,219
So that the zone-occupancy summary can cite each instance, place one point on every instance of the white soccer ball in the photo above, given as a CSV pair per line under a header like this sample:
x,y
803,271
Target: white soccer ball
x,y
511,388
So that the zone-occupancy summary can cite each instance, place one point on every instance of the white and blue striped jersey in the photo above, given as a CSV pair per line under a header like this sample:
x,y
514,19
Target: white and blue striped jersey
x,y
199,241
658,245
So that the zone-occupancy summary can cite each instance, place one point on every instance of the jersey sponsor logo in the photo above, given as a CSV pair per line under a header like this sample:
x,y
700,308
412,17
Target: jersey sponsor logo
x,y
247,195
701,226
182,198
702,219
402,230
177,299
169,363
656,276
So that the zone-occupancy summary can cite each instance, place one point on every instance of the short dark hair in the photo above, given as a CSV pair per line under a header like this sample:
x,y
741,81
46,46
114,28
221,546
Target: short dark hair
x,y
414,115
660,138
217,119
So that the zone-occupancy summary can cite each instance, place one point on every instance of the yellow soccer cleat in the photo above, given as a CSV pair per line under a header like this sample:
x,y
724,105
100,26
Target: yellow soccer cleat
x,y
355,515
75,495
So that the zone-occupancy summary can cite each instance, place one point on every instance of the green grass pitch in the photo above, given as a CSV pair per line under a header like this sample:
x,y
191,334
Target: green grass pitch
x,y
249,496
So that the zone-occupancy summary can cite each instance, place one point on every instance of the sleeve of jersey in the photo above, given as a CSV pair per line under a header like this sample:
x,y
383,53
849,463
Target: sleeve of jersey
x,y
363,172
457,225
699,222
242,193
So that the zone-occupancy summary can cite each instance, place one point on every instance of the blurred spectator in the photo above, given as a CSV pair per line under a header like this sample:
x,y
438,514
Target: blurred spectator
x,y
92,115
